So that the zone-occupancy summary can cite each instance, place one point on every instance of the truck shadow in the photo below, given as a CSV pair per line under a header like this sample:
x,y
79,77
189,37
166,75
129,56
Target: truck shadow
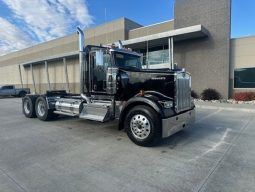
x,y
78,123
62,118
195,133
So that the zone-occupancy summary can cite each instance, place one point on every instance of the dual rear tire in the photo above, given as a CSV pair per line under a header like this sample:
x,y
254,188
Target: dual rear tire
x,y
34,106
28,106
42,111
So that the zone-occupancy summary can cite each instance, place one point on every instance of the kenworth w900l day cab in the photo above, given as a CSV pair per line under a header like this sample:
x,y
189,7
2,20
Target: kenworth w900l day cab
x,y
149,104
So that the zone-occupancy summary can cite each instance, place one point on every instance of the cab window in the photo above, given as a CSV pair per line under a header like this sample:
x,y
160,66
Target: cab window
x,y
127,61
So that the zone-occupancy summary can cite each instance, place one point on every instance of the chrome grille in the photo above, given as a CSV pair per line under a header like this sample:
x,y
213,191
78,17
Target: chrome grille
x,y
182,91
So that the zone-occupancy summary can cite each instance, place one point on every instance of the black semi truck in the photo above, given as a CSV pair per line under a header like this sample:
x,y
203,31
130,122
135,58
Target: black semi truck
x,y
149,104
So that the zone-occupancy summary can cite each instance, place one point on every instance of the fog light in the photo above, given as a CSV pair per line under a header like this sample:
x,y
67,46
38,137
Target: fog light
x,y
167,104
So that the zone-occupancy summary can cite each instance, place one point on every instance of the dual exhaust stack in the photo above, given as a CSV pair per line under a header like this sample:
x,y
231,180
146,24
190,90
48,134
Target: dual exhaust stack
x,y
82,66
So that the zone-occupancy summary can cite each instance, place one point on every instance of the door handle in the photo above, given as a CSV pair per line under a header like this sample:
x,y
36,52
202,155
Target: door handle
x,y
104,85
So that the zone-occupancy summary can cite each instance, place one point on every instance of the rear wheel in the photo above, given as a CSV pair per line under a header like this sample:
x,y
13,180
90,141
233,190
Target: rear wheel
x,y
28,106
42,111
143,125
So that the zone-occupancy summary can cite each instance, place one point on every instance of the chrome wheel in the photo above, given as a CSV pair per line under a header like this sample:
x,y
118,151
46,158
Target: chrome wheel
x,y
27,107
41,110
140,126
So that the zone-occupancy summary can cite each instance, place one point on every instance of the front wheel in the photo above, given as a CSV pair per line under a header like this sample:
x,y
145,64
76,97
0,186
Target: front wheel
x,y
143,125
42,111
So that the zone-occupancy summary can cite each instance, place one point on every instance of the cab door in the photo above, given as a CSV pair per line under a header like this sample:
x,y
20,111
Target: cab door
x,y
99,62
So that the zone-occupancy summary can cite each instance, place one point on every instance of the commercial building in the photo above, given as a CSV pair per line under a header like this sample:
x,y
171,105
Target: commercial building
x,y
198,39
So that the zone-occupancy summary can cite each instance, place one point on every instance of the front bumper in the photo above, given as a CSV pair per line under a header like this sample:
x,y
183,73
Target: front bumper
x,y
176,123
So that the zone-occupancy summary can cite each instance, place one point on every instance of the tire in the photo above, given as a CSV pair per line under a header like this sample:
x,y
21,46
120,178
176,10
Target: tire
x,y
42,111
143,125
28,106
22,94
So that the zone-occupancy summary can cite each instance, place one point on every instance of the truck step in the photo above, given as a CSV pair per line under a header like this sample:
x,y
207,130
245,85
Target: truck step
x,y
96,111
67,114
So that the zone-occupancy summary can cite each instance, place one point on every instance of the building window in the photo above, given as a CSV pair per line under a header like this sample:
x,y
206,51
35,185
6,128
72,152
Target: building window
x,y
156,56
244,78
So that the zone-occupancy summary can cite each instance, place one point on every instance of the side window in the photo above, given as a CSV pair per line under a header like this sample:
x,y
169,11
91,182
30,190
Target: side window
x,y
99,58
107,60
120,60
101,61
7,87
132,62
102,58
128,61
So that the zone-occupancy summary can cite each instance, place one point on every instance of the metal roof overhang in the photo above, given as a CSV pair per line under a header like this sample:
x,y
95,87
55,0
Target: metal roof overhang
x,y
51,58
187,33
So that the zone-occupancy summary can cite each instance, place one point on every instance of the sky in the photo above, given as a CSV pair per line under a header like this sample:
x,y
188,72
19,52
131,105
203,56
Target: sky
x,y
24,23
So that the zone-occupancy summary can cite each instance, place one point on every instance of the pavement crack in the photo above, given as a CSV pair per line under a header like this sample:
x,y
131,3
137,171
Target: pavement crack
x,y
12,179
212,171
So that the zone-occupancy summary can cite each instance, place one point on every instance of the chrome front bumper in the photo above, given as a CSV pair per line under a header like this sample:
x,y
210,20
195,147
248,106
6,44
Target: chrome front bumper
x,y
176,123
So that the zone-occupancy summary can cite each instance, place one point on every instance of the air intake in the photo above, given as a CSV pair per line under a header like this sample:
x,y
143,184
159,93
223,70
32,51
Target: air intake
x,y
182,91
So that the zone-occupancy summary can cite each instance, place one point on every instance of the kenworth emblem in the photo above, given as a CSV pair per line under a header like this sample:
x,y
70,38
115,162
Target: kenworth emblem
x,y
158,78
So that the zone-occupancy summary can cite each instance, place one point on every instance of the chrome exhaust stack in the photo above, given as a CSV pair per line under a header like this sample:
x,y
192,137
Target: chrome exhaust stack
x,y
120,46
82,66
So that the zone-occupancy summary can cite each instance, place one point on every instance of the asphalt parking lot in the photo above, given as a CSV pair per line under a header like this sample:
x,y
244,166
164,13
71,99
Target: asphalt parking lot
x,y
70,155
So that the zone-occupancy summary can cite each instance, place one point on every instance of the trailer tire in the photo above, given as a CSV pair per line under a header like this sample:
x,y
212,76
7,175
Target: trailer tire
x,y
28,106
143,125
42,111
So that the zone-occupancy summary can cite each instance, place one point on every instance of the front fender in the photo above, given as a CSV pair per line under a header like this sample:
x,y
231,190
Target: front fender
x,y
139,101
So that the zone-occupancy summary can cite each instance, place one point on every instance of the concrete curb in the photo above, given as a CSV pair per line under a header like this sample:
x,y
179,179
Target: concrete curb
x,y
225,108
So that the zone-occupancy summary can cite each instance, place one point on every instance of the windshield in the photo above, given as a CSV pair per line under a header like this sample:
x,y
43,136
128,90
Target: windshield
x,y
127,61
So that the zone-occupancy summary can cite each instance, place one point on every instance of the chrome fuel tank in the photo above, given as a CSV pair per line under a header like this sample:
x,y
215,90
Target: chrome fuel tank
x,y
68,105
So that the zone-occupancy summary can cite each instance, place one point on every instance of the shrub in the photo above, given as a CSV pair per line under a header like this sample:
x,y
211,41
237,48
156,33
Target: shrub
x,y
194,94
244,96
210,94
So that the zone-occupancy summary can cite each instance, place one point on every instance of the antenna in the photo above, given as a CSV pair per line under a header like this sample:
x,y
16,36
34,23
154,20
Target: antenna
x,y
105,15
120,44
105,19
